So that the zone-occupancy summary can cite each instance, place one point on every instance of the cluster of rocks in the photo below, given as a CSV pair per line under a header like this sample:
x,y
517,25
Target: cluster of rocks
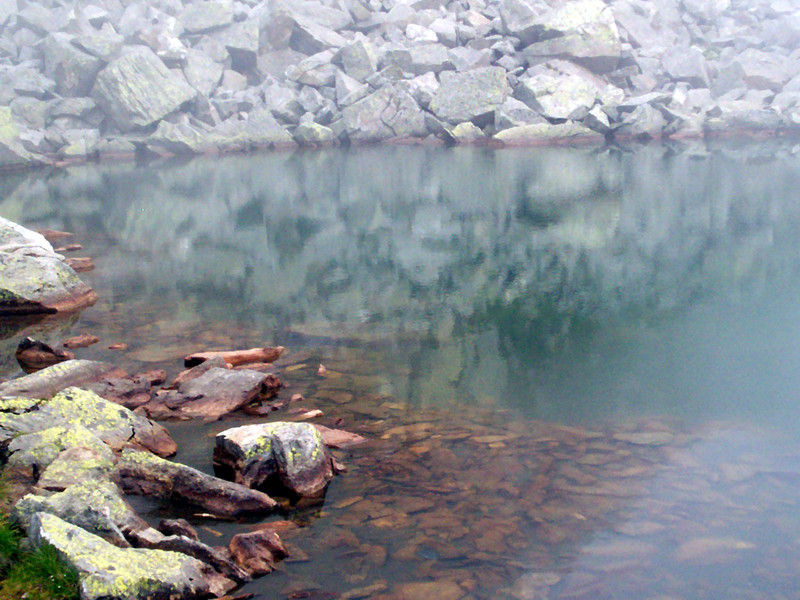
x,y
79,454
113,77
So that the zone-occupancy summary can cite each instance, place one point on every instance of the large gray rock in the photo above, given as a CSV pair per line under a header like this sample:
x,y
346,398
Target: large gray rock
x,y
557,97
137,90
689,65
583,31
106,571
142,473
104,43
260,130
358,59
72,69
763,70
386,114
33,278
202,17
310,37
292,452
545,133
471,95
202,72
241,41
94,505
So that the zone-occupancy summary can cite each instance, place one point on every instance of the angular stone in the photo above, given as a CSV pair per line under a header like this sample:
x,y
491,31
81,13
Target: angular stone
x,y
557,97
143,474
583,31
72,69
202,73
260,130
241,41
513,113
106,571
31,453
136,90
179,138
48,382
202,17
292,452
76,465
358,59
338,438
315,70
465,133
314,135
93,505
33,278
310,37
104,43
464,58
689,65
386,114
644,122
349,90
545,133
522,19
258,551
428,57
763,70
471,95
215,393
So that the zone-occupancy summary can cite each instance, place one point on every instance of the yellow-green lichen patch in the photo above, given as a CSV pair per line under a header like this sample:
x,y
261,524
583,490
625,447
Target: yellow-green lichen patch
x,y
18,405
42,447
106,571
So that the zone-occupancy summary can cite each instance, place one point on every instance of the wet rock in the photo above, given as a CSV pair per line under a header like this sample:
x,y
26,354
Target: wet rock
x,y
339,438
645,438
93,505
72,69
470,96
142,473
106,571
214,393
544,132
136,89
294,453
442,589
584,32
236,357
35,355
258,551
83,340
180,527
388,113
130,392
48,382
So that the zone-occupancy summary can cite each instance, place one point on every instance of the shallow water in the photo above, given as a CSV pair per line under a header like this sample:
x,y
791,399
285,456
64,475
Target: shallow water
x,y
577,369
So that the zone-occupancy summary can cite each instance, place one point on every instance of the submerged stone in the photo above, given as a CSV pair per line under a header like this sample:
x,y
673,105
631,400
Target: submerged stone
x,y
48,382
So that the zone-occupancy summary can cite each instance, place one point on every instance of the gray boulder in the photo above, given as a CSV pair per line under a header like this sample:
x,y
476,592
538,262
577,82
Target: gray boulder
x,y
358,59
202,72
106,571
385,114
583,31
33,278
260,130
314,135
241,41
513,113
471,95
292,452
522,19
644,122
309,37
104,43
12,155
557,97
94,505
424,58
137,90
202,17
72,69
545,133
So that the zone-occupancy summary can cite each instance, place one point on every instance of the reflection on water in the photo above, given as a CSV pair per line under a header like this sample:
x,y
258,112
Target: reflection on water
x,y
578,369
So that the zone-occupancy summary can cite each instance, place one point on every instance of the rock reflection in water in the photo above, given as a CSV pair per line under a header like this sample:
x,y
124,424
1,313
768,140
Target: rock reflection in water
x,y
522,336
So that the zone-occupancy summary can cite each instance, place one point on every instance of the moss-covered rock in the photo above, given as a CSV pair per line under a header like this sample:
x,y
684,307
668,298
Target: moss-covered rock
x,y
292,453
75,465
94,505
470,96
33,452
107,572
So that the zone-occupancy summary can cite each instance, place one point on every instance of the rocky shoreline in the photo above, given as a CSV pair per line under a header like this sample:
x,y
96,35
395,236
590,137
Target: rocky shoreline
x,y
76,438
90,80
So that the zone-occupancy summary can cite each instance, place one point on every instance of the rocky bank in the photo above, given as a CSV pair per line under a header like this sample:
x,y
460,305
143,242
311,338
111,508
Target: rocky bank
x,y
87,78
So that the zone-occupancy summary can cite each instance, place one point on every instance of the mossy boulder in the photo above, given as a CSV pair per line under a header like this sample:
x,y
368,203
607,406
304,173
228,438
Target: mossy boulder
x,y
141,473
77,412
33,452
33,278
108,572
290,454
95,506
75,465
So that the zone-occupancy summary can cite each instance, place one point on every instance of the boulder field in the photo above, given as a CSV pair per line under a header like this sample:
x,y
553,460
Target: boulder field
x,y
101,78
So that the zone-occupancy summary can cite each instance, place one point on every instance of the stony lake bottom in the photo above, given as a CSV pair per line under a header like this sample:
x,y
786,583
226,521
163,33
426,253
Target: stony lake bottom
x,y
578,369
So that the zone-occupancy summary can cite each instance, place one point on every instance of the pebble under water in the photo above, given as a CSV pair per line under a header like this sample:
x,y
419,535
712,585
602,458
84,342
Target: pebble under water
x,y
577,369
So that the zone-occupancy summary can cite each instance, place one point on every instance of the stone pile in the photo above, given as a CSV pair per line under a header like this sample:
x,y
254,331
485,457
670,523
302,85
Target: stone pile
x,y
109,77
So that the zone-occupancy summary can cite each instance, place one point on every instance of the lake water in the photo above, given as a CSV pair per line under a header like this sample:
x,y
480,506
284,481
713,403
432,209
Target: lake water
x,y
578,369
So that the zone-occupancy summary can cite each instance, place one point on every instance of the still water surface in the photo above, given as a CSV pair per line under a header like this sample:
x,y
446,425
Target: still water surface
x,y
578,370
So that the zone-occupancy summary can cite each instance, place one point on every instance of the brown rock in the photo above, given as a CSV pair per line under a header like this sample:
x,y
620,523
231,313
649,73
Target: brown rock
x,y
237,357
34,355
81,341
441,590
52,235
120,346
80,264
130,392
257,552
69,248
339,438
180,527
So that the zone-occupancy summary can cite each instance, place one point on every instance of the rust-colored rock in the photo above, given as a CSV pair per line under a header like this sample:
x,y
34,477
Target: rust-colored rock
x,y
237,357
34,355
339,438
257,552
80,264
51,235
81,341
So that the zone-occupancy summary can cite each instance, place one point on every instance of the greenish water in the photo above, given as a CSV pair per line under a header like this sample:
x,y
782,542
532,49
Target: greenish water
x,y
578,369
